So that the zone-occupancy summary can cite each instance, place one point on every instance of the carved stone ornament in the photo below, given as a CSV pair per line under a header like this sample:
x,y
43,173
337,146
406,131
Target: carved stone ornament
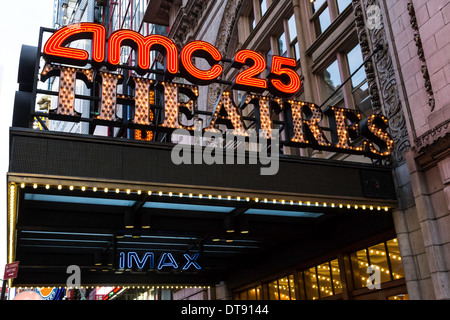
x,y
186,21
420,53
436,140
380,73
226,27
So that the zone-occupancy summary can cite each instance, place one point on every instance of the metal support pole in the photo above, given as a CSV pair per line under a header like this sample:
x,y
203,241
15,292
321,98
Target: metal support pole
x,y
3,290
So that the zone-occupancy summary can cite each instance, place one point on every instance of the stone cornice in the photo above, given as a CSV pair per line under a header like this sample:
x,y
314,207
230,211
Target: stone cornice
x,y
187,20
434,140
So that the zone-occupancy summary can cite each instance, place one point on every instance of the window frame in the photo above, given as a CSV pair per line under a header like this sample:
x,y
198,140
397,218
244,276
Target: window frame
x,y
333,11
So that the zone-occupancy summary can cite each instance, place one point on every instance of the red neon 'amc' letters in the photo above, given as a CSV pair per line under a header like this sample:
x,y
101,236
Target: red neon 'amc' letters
x,y
55,45
143,46
207,51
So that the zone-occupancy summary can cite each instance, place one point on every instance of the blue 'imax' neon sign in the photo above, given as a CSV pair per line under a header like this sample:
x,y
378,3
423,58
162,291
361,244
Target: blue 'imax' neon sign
x,y
166,260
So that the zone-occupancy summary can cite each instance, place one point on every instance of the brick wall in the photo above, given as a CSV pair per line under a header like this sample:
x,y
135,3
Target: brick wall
x,y
433,19
425,221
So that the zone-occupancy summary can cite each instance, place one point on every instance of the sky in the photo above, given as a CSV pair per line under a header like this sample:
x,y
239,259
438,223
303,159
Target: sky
x,y
20,21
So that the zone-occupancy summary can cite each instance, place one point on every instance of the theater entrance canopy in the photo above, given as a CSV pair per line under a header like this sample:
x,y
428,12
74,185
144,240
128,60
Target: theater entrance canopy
x,y
88,201
119,207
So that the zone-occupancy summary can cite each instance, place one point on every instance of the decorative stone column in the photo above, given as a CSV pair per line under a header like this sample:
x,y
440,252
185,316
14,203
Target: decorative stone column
x,y
385,97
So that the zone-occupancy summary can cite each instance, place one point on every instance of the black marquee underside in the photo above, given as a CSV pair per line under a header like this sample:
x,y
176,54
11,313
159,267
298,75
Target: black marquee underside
x,y
58,227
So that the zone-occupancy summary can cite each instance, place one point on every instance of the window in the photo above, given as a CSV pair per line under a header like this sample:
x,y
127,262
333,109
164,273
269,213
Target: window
x,y
250,294
282,47
360,87
282,289
355,92
251,21
395,259
343,4
321,281
263,6
257,10
331,80
293,42
269,56
286,40
325,11
138,14
385,260
273,290
321,16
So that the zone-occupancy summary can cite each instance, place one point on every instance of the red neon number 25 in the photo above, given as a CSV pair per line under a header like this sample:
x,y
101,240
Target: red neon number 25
x,y
284,80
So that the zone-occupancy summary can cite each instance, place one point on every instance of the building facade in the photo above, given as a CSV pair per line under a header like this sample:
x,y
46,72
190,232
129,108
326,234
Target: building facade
x,y
404,77
388,58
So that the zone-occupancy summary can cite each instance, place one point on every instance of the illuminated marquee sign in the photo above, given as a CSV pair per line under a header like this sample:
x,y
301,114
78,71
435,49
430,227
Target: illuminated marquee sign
x,y
347,131
129,260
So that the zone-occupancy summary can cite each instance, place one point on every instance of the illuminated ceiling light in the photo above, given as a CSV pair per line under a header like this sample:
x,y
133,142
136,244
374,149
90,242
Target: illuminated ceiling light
x,y
228,223
129,219
71,188
93,189
128,191
97,259
149,193
22,185
47,186
35,186
145,220
242,223
117,190
83,188
139,192
106,190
